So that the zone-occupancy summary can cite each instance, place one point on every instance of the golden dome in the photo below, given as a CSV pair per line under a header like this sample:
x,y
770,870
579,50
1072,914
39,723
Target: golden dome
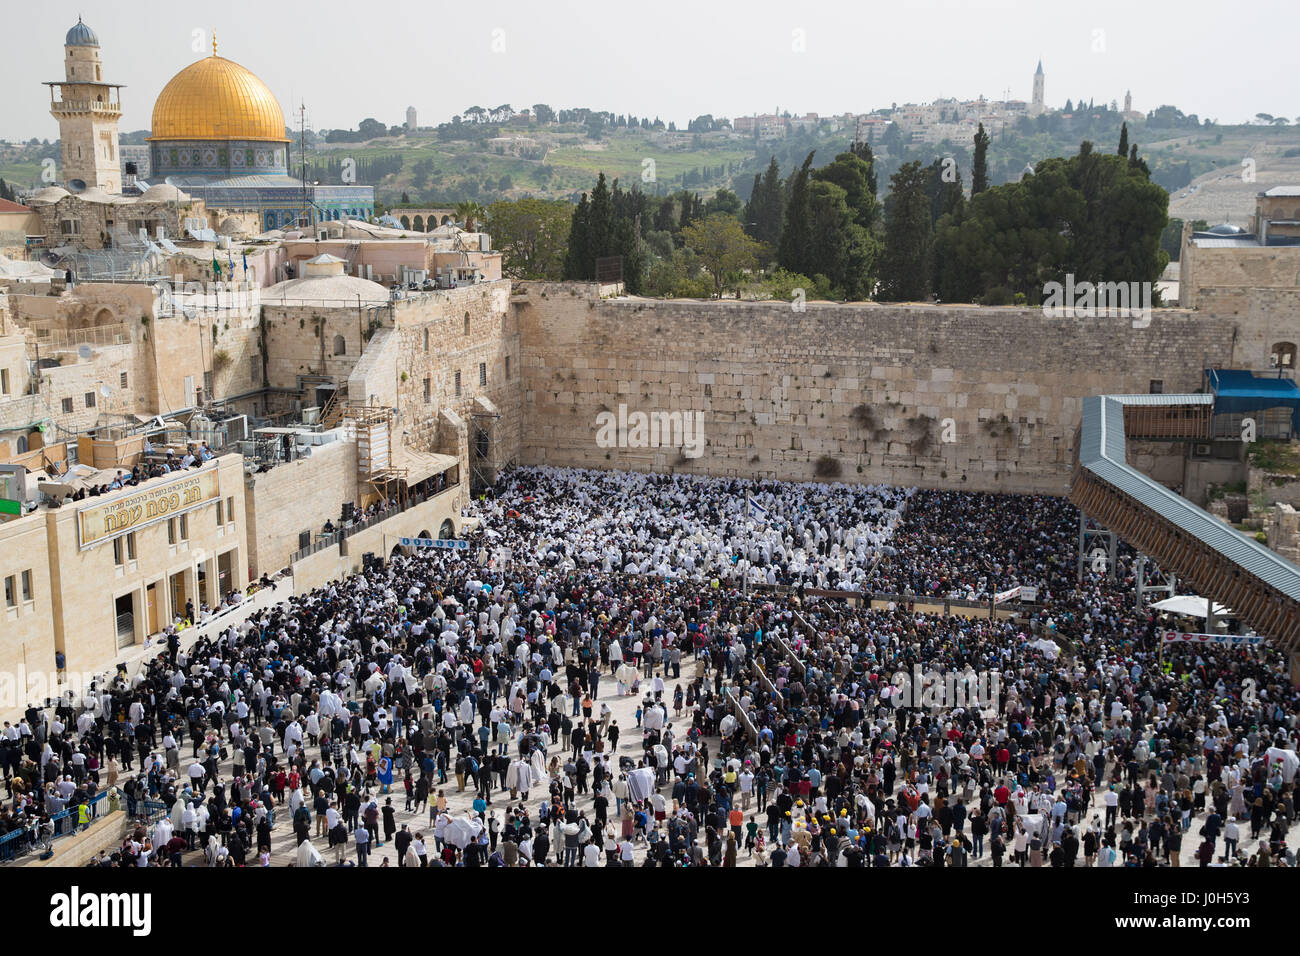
x,y
217,99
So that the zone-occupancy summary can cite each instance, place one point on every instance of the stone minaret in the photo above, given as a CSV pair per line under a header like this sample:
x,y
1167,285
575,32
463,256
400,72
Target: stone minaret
x,y
88,111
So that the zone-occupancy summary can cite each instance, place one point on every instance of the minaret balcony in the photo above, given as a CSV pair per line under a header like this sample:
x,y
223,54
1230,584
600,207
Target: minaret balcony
x,y
84,106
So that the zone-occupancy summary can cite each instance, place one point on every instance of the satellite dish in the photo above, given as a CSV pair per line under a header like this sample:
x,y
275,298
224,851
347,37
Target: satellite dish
x,y
85,351
104,390
50,258
76,185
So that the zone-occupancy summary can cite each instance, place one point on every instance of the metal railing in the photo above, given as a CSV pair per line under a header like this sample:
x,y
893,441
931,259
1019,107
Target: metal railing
x,y
65,823
49,340
322,542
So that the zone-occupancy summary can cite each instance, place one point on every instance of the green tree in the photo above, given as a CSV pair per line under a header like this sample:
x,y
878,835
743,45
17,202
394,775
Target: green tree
x,y
1123,140
469,214
600,226
839,247
578,261
853,175
765,210
905,264
794,249
724,201
979,175
1095,216
532,235
722,246
863,152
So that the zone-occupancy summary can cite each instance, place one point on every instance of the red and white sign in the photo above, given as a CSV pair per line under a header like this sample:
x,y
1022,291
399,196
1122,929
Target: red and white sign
x,y
1003,596
1187,637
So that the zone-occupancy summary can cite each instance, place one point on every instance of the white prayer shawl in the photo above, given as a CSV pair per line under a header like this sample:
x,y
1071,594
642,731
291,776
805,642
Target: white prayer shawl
x,y
1290,762
307,855
538,763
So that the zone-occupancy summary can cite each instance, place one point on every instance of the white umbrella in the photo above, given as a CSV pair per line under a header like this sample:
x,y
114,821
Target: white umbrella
x,y
1190,605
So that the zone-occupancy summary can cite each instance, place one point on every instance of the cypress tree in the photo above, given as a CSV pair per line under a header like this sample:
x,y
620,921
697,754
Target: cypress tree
x,y
979,177
796,233
578,263
905,270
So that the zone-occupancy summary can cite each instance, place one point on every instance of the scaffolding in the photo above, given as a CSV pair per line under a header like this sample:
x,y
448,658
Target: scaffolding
x,y
1104,550
371,426
482,468
125,256
1145,572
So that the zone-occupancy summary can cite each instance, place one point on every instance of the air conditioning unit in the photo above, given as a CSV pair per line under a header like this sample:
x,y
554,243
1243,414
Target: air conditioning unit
x,y
1201,451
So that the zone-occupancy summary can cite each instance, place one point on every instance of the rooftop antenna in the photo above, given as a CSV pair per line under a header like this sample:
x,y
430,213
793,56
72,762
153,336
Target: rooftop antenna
x,y
302,155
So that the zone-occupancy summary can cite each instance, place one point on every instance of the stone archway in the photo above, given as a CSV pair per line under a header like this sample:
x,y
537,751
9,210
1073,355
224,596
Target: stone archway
x,y
448,529
418,223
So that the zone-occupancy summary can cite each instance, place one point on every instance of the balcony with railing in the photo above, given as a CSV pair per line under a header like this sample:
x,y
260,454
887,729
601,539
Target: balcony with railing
x,y
408,501
85,106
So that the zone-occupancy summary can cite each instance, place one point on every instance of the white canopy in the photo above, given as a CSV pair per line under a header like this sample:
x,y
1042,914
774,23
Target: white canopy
x,y
1190,604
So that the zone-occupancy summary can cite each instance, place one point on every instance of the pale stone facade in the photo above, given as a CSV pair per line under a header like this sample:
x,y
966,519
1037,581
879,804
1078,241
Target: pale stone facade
x,y
870,388
121,588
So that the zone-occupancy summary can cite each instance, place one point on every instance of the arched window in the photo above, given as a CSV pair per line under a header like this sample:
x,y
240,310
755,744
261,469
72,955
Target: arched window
x,y
22,444
444,220
340,345
448,529
418,224
406,223
1283,355
467,323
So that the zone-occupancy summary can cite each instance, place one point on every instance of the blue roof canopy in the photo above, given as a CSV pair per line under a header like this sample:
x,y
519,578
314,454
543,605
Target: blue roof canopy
x,y
1241,391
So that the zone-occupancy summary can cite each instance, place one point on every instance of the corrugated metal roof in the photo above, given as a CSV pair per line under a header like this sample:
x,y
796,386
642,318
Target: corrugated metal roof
x,y
1102,452
1189,398
1224,242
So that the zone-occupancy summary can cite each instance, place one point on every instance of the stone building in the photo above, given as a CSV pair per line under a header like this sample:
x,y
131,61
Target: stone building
x,y
1225,256
98,575
88,110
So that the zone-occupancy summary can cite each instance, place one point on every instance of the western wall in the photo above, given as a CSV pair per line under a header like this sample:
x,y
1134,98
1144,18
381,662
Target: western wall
x,y
960,397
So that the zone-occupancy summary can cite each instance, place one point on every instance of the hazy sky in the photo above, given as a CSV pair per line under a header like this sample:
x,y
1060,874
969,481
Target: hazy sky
x,y
349,59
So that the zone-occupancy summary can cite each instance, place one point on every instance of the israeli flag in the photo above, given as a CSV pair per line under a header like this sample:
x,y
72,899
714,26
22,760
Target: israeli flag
x,y
757,511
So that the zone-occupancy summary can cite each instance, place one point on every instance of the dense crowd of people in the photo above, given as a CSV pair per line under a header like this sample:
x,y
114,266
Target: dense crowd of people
x,y
769,726
699,528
